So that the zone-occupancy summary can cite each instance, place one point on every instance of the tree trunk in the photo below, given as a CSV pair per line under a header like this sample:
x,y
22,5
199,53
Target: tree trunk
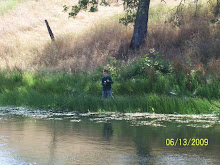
x,y
140,27
218,7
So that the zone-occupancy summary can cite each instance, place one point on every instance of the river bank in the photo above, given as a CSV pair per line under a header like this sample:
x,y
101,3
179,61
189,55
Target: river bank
x,y
162,88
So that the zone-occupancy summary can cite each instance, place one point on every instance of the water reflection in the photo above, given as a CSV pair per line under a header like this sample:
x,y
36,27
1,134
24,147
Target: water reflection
x,y
143,146
52,145
107,130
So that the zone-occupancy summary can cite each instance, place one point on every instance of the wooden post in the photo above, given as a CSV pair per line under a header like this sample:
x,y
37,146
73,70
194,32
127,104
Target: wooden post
x,y
50,31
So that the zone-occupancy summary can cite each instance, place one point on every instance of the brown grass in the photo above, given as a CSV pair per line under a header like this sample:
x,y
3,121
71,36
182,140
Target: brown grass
x,y
23,33
85,51
214,67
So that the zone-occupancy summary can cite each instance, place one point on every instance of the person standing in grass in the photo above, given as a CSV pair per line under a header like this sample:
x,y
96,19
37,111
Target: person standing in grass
x,y
106,83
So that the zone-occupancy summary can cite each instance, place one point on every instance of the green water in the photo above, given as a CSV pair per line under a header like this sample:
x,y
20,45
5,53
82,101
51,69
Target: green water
x,y
41,137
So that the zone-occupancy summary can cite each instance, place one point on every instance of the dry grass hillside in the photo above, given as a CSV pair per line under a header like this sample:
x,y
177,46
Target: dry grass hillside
x,y
24,36
87,41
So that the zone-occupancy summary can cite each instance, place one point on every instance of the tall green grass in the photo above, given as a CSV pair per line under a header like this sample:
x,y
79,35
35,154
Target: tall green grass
x,y
135,89
83,103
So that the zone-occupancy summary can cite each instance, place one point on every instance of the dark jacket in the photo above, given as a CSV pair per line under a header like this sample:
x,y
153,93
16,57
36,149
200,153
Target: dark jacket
x,y
107,86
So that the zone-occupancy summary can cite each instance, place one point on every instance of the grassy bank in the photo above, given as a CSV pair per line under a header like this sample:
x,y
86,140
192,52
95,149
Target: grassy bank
x,y
82,103
140,86
181,74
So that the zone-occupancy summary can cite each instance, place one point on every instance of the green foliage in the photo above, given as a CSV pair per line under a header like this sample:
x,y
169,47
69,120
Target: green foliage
x,y
83,103
130,7
148,65
152,74
139,85
91,5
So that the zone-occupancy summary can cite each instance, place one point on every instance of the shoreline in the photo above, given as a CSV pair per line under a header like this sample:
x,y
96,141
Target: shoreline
x,y
83,91
159,105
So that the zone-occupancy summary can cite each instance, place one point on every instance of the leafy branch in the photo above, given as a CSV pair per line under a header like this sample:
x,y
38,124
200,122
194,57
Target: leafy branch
x,y
130,7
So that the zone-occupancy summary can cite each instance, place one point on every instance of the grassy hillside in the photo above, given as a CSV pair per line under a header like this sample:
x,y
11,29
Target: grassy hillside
x,y
87,41
178,70
140,85
24,36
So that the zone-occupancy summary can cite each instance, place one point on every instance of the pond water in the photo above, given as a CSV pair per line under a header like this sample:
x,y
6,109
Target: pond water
x,y
42,137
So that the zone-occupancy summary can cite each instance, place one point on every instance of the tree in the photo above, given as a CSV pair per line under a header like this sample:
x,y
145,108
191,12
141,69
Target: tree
x,y
136,11
140,27
218,7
